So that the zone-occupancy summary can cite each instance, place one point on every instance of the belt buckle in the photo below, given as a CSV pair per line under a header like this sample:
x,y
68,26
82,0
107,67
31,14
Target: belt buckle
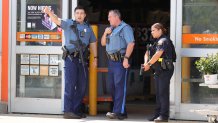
x,y
112,57
115,57
75,54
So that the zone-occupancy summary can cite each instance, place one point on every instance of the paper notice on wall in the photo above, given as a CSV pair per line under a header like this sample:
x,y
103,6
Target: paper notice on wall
x,y
24,58
24,69
43,70
53,70
34,59
53,60
44,59
34,70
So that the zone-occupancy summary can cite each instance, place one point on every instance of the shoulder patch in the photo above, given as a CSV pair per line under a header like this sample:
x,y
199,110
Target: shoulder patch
x,y
160,42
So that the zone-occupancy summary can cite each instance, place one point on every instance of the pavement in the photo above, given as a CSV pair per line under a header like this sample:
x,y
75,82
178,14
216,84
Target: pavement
x,y
100,118
136,113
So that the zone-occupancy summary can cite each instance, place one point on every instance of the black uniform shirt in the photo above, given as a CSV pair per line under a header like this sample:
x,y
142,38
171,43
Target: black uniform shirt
x,y
163,44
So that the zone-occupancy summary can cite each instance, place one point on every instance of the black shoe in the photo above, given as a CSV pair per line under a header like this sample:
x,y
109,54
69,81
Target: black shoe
x,y
71,115
111,115
161,119
82,115
116,116
152,118
122,116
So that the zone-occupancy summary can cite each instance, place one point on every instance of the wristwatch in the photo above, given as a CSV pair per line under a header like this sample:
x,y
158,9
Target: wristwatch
x,y
126,57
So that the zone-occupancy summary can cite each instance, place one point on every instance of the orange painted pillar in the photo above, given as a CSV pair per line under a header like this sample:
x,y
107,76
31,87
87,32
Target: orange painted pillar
x,y
5,35
93,80
186,71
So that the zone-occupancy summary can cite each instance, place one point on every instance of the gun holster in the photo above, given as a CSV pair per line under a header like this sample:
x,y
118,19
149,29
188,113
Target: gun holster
x,y
65,52
167,64
163,64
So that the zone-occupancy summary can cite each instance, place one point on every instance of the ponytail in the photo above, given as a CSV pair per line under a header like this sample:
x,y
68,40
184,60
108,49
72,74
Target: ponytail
x,y
161,27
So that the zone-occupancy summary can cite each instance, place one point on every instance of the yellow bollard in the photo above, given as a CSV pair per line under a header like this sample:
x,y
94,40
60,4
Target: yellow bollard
x,y
186,71
93,80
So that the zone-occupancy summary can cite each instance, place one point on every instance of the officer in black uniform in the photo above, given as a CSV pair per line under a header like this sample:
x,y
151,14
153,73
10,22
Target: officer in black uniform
x,y
162,63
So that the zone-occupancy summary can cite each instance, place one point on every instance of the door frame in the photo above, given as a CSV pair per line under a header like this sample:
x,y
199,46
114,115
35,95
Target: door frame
x,y
182,110
173,84
30,105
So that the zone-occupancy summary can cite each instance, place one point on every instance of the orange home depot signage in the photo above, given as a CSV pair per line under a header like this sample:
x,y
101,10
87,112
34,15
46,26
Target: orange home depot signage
x,y
200,38
39,36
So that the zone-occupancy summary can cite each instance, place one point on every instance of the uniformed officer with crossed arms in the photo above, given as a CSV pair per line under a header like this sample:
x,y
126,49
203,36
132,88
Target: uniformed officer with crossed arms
x,y
119,42
162,63
76,72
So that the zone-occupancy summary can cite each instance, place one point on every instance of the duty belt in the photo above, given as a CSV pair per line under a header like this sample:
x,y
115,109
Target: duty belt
x,y
115,56
74,54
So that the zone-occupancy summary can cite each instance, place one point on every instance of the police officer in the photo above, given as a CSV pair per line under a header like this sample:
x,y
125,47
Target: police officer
x,y
161,61
119,42
75,72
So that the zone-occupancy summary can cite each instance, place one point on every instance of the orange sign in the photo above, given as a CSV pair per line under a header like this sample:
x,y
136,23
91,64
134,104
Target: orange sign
x,y
200,38
39,36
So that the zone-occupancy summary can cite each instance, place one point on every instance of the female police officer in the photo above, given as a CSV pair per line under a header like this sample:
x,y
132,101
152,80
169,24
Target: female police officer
x,y
119,42
76,32
161,62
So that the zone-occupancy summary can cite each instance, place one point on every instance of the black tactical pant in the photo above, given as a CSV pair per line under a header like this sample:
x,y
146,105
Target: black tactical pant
x,y
162,84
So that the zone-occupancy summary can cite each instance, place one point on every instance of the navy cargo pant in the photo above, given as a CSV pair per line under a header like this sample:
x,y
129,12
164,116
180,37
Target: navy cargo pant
x,y
117,76
162,84
75,85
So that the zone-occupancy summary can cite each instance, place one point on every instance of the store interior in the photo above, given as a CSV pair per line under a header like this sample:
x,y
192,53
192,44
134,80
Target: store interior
x,y
140,15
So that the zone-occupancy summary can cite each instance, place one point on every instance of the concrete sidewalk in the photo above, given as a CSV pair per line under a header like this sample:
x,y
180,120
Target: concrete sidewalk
x,y
136,113
39,118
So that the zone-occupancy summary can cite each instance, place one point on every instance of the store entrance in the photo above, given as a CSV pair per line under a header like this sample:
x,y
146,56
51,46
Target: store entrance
x,y
36,64
140,14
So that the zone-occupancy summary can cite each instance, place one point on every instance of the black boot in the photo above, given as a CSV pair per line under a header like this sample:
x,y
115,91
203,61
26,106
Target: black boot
x,y
122,116
71,115
161,119
152,118
111,115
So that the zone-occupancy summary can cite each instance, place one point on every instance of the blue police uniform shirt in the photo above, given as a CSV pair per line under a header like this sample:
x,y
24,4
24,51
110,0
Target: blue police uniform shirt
x,y
120,37
86,34
163,44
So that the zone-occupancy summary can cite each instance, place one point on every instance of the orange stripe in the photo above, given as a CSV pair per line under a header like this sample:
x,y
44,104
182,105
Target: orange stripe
x,y
200,38
5,29
54,37
103,70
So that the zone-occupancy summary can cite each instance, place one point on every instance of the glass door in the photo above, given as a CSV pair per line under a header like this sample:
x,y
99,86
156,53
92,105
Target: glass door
x,y
197,37
36,64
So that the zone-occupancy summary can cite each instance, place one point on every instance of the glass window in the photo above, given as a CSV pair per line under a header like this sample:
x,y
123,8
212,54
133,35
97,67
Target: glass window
x,y
36,28
200,25
38,76
192,91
